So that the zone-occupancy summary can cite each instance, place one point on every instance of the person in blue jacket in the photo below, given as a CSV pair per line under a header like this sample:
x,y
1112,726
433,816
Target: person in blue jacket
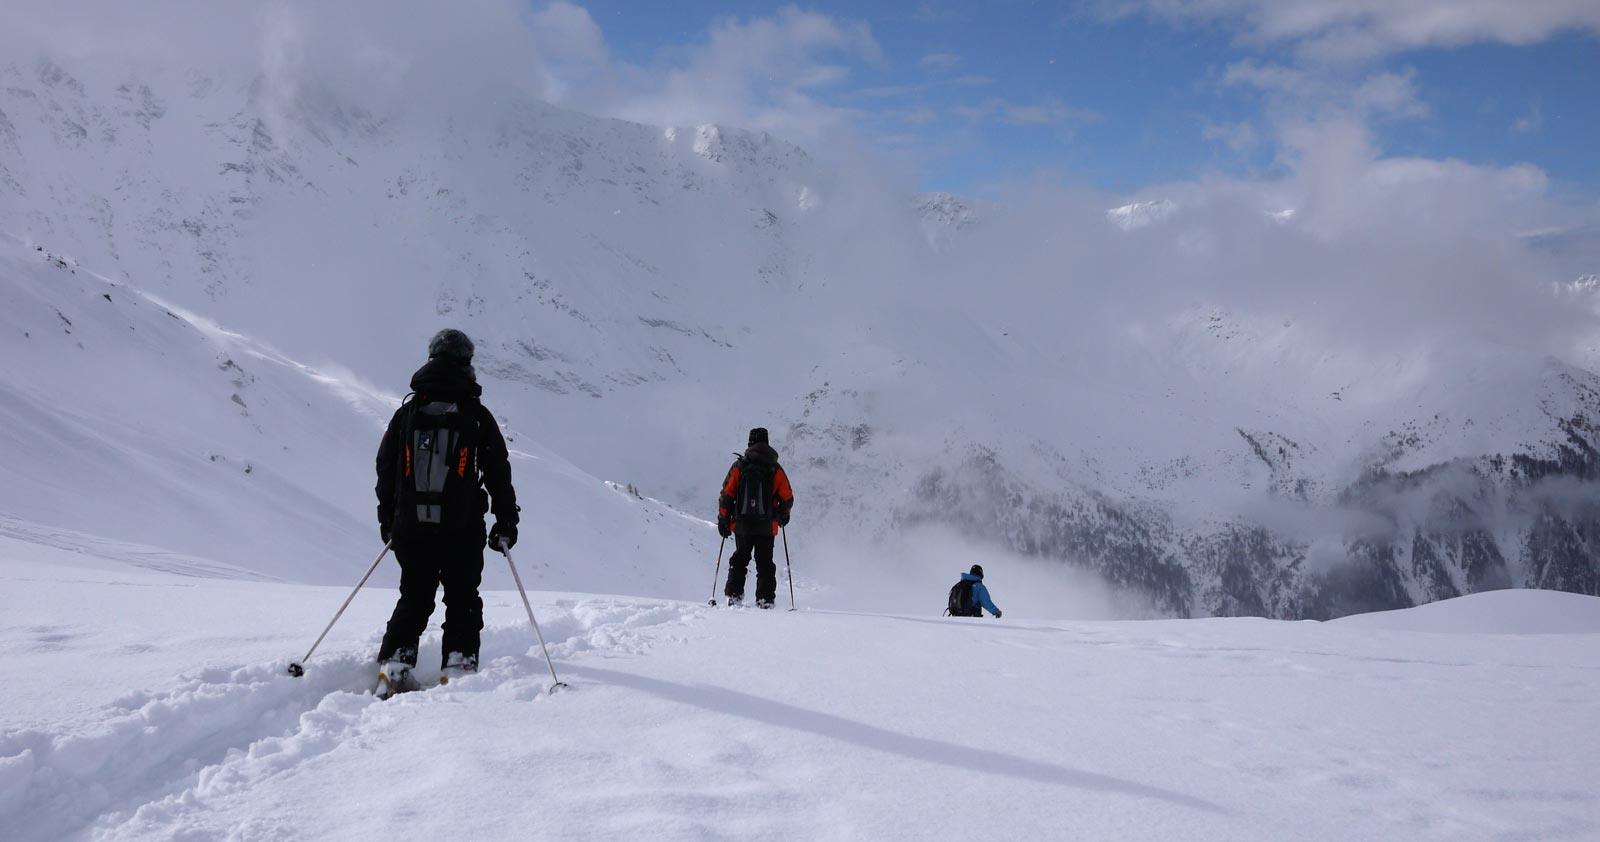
x,y
969,598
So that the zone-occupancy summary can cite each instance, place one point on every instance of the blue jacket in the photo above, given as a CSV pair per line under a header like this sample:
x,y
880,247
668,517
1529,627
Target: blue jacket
x,y
980,593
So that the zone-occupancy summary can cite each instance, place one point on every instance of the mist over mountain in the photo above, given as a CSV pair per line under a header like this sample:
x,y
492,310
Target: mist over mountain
x,y
1359,384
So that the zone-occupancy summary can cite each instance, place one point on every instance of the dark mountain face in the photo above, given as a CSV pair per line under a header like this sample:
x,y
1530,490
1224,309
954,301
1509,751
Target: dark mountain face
x,y
1527,519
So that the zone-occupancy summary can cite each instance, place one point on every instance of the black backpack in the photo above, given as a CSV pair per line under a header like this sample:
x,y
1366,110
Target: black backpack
x,y
438,480
754,501
961,602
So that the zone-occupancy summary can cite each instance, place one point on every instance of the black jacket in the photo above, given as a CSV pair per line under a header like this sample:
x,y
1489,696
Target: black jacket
x,y
442,379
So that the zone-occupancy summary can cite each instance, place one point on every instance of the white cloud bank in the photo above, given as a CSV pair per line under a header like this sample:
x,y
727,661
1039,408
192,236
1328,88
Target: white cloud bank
x,y
1378,249
1345,30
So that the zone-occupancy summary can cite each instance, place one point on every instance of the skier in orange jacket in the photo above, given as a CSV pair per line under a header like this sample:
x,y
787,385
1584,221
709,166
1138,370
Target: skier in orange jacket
x,y
754,504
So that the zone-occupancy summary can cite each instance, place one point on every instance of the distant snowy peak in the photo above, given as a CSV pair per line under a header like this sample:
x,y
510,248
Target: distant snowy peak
x,y
1132,217
1585,285
945,209
944,216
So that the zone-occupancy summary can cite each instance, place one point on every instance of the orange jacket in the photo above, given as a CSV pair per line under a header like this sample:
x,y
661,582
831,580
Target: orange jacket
x,y
782,498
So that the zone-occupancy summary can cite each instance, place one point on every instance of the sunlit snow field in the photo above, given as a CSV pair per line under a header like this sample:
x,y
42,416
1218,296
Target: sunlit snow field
x,y
150,705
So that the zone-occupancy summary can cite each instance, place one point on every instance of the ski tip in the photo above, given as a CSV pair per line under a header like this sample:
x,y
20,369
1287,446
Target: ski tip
x,y
296,670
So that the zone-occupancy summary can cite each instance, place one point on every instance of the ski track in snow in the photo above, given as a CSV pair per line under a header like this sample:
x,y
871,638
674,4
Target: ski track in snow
x,y
158,757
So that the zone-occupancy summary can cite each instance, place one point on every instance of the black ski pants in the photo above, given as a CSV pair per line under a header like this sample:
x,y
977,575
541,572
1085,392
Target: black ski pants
x,y
454,560
739,567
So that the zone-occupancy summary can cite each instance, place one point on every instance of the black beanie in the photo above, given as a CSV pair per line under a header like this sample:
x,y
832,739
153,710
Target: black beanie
x,y
758,436
450,343
977,570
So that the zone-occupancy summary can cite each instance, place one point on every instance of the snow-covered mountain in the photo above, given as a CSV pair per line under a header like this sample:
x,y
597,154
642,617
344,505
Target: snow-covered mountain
x,y
1136,215
642,295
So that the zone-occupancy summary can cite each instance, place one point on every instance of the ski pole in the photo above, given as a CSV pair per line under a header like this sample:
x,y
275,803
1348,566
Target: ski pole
x,y
784,530
717,572
506,551
297,668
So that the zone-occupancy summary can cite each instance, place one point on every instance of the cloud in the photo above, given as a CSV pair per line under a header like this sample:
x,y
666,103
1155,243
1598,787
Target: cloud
x,y
1238,137
1384,258
1345,30
760,73
1295,97
773,73
889,91
1049,112
1302,99
566,32
927,12
912,116
1268,76
1393,94
387,56
1046,112
1385,93
572,48
1530,123
939,61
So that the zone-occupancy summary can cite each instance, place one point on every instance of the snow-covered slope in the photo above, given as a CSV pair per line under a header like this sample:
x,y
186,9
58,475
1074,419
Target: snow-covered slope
x,y
1493,612
642,295
164,713
139,420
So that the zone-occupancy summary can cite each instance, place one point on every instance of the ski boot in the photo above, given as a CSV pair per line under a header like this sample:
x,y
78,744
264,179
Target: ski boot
x,y
764,604
395,677
735,601
458,666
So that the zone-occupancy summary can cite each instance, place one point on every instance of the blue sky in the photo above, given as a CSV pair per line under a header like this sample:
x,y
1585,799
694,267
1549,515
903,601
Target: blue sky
x,y
1120,94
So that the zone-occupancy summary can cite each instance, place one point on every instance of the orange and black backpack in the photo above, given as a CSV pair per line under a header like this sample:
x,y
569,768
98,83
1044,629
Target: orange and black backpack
x,y
753,503
438,472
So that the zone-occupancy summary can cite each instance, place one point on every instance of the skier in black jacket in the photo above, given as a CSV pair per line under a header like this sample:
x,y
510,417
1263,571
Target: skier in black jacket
x,y
441,451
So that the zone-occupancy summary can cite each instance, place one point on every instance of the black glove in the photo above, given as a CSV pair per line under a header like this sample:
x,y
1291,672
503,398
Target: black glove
x,y
783,517
723,528
502,533
385,531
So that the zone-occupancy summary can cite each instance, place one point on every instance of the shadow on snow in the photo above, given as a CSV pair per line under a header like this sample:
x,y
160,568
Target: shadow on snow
x,y
775,713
